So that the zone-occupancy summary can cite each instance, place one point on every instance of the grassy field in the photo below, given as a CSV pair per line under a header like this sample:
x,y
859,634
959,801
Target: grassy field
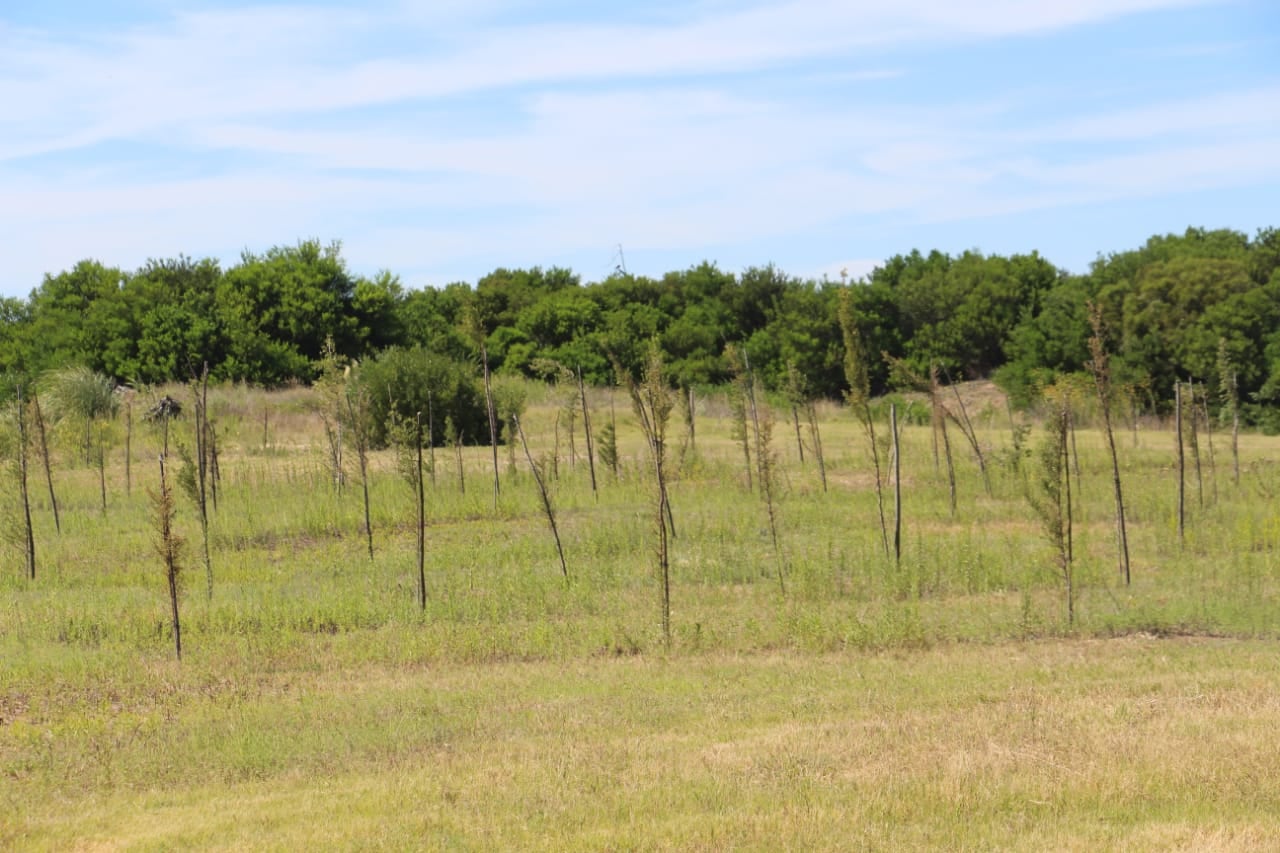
x,y
942,703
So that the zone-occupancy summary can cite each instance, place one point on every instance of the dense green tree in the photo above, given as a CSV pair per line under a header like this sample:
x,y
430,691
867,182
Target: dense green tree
x,y
432,319
959,314
879,325
631,317
503,294
1048,342
701,324
174,309
1171,304
279,309
802,329
64,326
1165,317
375,308
15,342
1264,255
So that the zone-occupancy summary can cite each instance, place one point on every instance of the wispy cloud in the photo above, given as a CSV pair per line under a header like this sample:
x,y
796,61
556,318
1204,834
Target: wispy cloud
x,y
449,133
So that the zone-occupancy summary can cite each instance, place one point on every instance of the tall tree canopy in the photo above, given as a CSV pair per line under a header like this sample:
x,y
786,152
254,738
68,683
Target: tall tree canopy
x,y
1171,306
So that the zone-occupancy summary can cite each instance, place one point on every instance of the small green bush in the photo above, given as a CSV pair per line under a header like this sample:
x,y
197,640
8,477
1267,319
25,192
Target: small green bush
x,y
402,380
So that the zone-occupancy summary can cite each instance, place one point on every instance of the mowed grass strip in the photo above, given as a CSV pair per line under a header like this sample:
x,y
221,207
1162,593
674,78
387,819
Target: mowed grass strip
x,y
1126,743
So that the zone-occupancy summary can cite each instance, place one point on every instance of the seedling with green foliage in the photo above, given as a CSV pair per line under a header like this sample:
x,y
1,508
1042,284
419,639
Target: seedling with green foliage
x,y
1051,497
653,401
858,395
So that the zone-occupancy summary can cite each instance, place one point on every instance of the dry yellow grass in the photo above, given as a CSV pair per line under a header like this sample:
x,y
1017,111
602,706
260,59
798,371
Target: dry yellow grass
x,y
1136,743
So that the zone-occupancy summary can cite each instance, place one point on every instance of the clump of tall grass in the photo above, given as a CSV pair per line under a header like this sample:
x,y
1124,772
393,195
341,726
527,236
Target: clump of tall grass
x,y
81,395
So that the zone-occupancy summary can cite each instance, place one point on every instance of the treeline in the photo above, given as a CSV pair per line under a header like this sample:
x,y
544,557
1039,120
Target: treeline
x,y
1202,305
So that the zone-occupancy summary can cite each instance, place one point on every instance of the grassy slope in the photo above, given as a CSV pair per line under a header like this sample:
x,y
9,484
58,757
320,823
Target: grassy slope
x,y
943,705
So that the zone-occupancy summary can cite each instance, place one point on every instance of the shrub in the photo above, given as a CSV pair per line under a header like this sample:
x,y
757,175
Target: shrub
x,y
408,381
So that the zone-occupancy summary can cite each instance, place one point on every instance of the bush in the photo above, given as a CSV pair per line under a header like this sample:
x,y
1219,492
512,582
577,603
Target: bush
x,y
401,380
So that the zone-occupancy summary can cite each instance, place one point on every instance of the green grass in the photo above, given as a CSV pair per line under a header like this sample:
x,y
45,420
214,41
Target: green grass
x,y
943,703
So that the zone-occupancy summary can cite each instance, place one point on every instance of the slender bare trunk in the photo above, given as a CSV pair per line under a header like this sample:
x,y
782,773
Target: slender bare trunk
x,y
938,414
897,485
951,468
811,412
586,429
29,539
493,420
762,428
547,506
1122,533
869,424
1133,417
102,472
1099,366
691,418
555,448
422,520
966,427
169,546
1075,455
1193,443
42,436
457,455
1182,464
1203,414
431,441
613,431
1235,441
201,393
1068,568
358,413
215,470
795,418
128,445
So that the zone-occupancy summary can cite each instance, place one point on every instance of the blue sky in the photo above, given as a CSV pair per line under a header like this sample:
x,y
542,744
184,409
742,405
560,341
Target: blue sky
x,y
441,140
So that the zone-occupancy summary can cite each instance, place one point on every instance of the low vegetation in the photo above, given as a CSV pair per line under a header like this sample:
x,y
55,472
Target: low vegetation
x,y
999,685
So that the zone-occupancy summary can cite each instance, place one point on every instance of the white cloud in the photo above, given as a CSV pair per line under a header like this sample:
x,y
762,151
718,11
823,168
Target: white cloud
x,y
676,132
255,62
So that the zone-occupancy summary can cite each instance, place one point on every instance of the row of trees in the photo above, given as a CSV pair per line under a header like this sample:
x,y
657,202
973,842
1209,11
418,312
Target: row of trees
x,y
1179,307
